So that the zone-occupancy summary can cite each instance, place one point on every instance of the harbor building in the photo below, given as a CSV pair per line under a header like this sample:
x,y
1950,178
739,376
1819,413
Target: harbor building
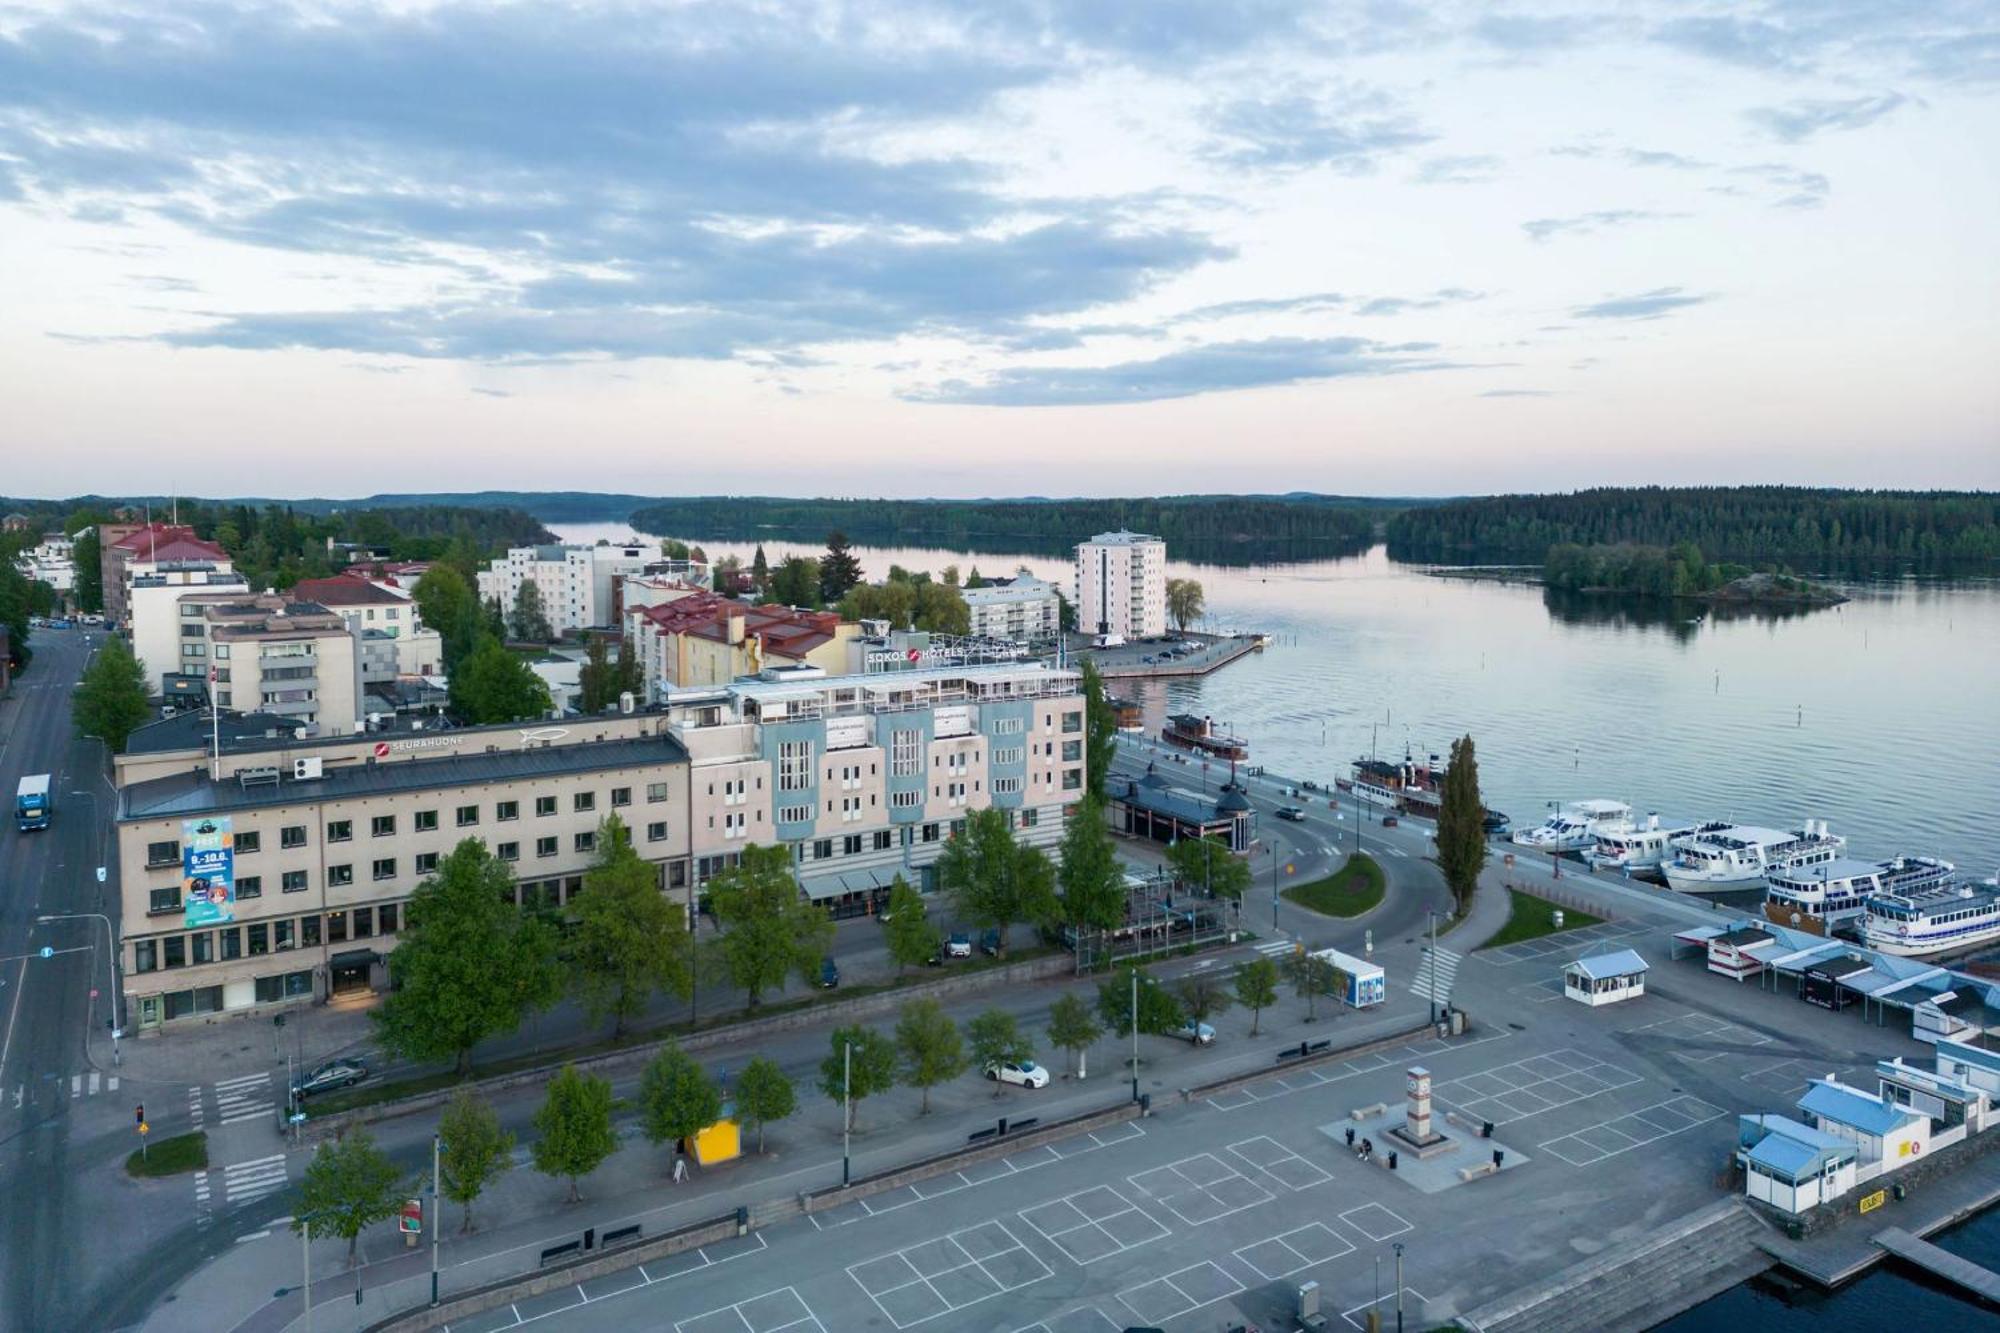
x,y
1121,585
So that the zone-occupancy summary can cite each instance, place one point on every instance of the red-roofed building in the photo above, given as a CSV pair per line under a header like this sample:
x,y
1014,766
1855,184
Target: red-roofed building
x,y
132,552
705,639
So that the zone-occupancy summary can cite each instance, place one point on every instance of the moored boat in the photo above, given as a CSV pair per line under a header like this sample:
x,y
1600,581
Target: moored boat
x,y
1739,856
1641,847
1189,732
1833,892
1575,826
1944,918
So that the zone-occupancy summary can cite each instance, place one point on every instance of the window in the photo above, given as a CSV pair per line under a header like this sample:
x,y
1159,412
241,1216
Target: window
x,y
795,814
733,825
1030,818
292,835
656,792
339,830
309,931
1072,752
364,922
905,753
339,877
795,760
249,886
851,845
545,805
163,853
221,652
382,826
468,815
545,847
250,840
905,800
884,840
586,842
1006,786
385,868
336,927
425,821
1007,726
144,957
1072,722
508,851
203,944
162,901
583,800
281,934
259,936
930,833
656,831
507,810
176,951
426,863
385,918
621,796
1013,754
823,849
1072,779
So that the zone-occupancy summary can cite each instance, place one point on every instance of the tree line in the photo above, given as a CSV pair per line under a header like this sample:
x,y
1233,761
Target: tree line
x,y
1748,523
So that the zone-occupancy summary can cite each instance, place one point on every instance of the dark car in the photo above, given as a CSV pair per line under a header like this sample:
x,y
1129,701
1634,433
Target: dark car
x,y
829,974
1308,785
333,1074
1291,812
989,943
1389,821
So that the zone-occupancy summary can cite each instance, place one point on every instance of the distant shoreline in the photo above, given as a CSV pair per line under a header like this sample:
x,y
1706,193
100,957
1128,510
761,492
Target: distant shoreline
x,y
1750,590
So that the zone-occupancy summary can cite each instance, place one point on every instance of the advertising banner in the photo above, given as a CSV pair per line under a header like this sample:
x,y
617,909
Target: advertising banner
x,y
208,871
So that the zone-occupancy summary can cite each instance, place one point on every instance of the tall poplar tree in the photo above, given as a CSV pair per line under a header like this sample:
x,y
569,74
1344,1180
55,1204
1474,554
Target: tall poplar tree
x,y
1461,831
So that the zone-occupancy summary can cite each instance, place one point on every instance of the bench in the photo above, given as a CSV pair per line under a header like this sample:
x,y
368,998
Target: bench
x,y
620,1236
555,1252
1469,1173
1366,1112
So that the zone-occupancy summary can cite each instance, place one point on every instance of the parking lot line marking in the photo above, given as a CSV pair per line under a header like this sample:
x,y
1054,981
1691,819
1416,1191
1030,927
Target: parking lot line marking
x,y
1395,1226
1186,1302
956,1259
806,1320
1530,1086
1577,1151
1199,1189
1390,1299
1095,1236
1280,1163
1303,1252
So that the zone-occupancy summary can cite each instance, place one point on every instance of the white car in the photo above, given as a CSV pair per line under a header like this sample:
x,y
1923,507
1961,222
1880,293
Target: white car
x,y
1027,1073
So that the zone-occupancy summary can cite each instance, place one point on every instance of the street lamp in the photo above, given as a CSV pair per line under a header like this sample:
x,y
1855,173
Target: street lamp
x,y
1399,1287
846,1109
111,960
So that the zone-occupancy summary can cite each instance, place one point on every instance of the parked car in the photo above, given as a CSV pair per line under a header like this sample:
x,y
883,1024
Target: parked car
x,y
989,943
829,974
1389,821
333,1074
1026,1074
1201,1034
1291,812
1308,785
959,945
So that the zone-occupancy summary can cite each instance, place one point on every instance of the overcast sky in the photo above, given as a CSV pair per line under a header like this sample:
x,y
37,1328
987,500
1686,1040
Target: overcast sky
x,y
1012,247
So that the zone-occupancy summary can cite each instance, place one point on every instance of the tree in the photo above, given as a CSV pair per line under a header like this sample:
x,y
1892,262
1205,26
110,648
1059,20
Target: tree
x,y
1159,1011
948,576
1311,976
468,964
627,939
760,569
473,1151
88,556
727,575
1093,887
1257,989
597,680
350,1185
940,609
763,1095
994,880
1208,864
930,1045
1184,602
1461,827
673,549
448,605
912,939
629,676
1072,1027
1202,996
838,569
975,579
796,582
996,1039
872,1069
894,601
493,685
111,700
527,622
574,1127
677,1098
769,932
1100,731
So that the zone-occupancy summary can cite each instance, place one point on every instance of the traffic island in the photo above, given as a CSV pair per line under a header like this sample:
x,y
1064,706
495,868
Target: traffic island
x,y
169,1157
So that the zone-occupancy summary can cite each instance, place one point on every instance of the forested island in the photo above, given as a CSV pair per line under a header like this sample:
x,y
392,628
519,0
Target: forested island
x,y
1677,571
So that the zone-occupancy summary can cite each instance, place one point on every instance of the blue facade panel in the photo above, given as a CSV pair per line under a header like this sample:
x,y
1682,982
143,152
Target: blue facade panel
x,y
772,736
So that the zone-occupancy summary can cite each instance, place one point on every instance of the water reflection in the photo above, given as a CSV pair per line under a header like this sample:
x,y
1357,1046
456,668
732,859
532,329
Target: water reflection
x,y
1678,620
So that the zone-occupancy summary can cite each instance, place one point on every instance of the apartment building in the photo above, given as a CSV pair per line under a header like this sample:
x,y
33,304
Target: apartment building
x,y
577,584
157,625
1121,585
701,639
131,553
1022,609
51,561
279,872
272,655
395,641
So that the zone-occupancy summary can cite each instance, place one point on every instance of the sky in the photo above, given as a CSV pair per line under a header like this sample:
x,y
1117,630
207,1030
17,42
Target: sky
x,y
1018,247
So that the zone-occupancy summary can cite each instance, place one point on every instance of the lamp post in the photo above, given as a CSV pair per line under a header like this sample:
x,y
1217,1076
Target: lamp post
x,y
846,1109
1431,913
1135,1034
111,961
437,1216
1399,1287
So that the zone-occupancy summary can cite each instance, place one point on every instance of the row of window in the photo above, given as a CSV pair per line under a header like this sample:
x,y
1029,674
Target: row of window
x,y
226,944
883,840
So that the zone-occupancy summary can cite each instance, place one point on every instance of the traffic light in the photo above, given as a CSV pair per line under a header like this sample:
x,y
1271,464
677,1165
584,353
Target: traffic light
x,y
139,1114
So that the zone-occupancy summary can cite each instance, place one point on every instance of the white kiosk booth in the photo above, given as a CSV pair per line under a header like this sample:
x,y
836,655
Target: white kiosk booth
x,y
1606,978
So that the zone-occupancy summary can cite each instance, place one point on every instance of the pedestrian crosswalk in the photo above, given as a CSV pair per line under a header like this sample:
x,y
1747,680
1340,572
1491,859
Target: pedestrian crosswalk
x,y
89,1085
1273,948
245,1182
245,1098
194,1107
1434,975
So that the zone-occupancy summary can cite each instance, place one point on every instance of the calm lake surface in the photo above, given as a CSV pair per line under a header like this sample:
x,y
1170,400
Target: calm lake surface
x,y
1880,716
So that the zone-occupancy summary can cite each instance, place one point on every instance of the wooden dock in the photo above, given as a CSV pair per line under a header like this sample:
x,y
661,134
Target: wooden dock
x,y
1981,1282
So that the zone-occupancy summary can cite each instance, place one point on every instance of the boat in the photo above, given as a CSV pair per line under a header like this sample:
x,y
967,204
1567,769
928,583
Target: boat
x,y
1378,782
1642,847
1420,787
1944,918
1738,856
1575,826
1833,892
1130,718
1189,732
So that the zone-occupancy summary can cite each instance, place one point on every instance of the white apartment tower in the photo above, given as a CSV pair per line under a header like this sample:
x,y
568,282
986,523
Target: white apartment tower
x,y
1121,585
578,584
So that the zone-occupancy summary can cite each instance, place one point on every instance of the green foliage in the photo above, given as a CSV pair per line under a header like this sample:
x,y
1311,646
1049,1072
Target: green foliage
x,y
911,937
1461,835
1100,729
996,1039
527,622
110,701
1093,887
1202,996
473,1151
838,570
931,1049
448,605
628,940
894,601
597,680
677,1098
994,880
1159,1010
1311,978
1641,571
872,1070
573,1127
169,1156
796,582
672,549
468,966
1530,918
1349,891
769,931
1072,1026
492,685
1207,863
1185,602
763,1095
88,554
760,569
350,1185
1257,988
18,599
941,609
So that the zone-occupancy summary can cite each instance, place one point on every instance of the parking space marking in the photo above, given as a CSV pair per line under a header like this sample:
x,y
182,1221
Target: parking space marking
x,y
846,1214
1541,992
1094,1224
1317,1076
1200,1189
1650,1125
1390,1301
1280,1163
662,1271
1180,1292
1381,1223
1083,1319
920,1282
780,1311
1528,1087
1294,1251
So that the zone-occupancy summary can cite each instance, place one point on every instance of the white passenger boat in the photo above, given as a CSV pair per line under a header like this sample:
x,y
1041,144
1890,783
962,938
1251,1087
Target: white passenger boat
x,y
1643,846
1575,826
1835,890
1945,918
1741,855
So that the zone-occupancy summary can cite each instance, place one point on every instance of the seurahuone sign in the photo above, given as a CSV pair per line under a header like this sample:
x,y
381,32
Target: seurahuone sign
x,y
208,871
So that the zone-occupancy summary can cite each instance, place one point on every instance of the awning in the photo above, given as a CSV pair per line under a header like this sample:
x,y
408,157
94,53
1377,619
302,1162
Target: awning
x,y
1701,934
355,958
1931,974
1805,958
820,888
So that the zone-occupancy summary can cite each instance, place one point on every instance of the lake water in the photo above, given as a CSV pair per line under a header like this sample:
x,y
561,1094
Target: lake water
x,y
1880,716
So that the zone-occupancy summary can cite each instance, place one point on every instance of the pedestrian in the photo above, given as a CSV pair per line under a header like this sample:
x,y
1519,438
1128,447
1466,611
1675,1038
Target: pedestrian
x,y
680,1167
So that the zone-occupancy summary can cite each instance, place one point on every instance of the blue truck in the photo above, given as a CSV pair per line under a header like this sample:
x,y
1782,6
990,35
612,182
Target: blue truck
x,y
32,802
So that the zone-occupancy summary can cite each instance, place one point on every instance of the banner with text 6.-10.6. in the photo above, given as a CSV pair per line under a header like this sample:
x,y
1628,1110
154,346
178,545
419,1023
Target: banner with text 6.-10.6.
x,y
208,871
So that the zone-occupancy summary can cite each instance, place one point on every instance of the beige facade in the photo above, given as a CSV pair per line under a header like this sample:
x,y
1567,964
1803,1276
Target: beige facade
x,y
1121,585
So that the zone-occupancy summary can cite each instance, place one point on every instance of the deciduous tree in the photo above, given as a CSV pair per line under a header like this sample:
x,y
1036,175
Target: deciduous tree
x,y
994,880
769,931
574,1127
911,937
350,1185
930,1046
763,1095
1159,1011
1073,1028
1184,602
1311,977
871,1070
628,940
1100,726
473,1151
1202,996
1093,886
1257,988
677,1098
492,685
996,1039
448,605
796,582
111,701
527,622
1208,864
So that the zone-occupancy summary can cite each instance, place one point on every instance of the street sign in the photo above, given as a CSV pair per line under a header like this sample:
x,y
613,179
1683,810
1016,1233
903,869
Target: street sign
x,y
412,1222
297,1117
93,992
145,1128
47,952
139,1113
100,874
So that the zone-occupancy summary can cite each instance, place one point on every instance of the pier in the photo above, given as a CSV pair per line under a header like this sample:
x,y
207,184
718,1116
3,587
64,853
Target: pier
x,y
1981,1282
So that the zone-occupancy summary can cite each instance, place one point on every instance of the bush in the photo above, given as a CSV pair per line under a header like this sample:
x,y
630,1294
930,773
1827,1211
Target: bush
x,y
170,1157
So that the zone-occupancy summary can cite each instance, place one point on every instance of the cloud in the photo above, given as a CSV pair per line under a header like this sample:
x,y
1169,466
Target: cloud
x,y
1295,132
1797,121
1471,169
1584,224
1640,157
1948,41
1656,304
1796,188
1311,303
1523,33
1196,370
1518,393
492,393
1734,41
1397,305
